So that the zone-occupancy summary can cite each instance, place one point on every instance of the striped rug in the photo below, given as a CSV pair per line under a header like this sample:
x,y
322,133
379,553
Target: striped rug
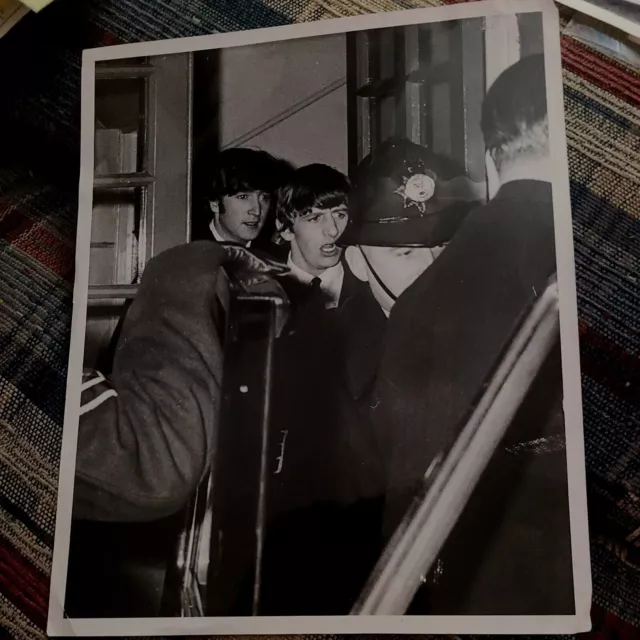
x,y
39,160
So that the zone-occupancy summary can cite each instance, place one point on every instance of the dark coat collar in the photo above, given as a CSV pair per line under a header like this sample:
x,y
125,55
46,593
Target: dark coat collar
x,y
536,190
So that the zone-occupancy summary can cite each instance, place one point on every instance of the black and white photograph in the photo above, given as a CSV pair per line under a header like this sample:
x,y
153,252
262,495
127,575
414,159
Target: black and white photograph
x,y
324,371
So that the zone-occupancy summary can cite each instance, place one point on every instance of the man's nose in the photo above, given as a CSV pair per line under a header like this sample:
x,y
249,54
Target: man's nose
x,y
256,206
331,228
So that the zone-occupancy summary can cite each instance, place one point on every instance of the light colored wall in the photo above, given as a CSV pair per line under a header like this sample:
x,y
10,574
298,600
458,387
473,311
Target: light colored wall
x,y
262,81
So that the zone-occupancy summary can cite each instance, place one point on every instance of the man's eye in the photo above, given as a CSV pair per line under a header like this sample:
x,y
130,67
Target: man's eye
x,y
341,214
314,218
242,196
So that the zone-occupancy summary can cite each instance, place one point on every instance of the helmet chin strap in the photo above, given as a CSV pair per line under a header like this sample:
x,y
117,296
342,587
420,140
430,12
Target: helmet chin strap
x,y
384,287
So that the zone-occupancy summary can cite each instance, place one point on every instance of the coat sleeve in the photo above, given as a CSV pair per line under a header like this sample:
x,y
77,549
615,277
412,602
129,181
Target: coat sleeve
x,y
145,436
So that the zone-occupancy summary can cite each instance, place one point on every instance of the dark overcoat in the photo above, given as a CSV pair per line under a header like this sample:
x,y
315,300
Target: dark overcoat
x,y
510,552
146,436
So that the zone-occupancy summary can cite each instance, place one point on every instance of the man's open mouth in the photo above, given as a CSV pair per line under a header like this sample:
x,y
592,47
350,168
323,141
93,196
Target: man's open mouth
x,y
329,249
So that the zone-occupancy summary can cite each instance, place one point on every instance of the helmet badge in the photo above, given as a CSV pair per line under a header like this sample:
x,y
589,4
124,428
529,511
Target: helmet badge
x,y
416,191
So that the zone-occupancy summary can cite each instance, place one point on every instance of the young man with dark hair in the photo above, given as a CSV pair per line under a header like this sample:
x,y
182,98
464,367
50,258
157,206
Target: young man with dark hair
x,y
509,554
323,516
311,214
240,193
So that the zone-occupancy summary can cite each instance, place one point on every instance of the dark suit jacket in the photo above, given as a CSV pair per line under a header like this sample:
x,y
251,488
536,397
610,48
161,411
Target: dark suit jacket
x,y
318,394
510,552
324,493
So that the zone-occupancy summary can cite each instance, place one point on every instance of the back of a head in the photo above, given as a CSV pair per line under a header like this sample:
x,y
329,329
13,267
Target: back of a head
x,y
312,186
514,113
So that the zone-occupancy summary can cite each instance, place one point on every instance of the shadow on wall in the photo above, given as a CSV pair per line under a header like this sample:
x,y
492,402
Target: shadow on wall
x,y
288,98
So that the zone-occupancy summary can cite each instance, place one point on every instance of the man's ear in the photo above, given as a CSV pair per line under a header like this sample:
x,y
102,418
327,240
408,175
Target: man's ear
x,y
286,234
493,179
214,205
355,260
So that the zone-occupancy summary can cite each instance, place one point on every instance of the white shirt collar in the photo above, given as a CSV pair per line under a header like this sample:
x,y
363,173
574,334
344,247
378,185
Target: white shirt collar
x,y
330,280
216,234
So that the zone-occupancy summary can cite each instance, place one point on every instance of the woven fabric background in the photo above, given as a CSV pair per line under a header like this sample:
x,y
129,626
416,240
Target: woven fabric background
x,y
39,163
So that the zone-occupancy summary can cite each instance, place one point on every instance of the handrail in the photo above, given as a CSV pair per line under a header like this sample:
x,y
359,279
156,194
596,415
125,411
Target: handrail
x,y
418,540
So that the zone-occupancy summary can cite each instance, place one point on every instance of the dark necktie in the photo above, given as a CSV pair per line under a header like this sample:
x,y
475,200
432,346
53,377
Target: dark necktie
x,y
316,294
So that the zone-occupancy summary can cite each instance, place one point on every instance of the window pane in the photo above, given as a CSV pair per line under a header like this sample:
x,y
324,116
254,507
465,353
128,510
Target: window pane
x,y
364,127
120,109
440,42
115,235
435,43
441,118
373,40
362,58
413,109
411,48
387,118
387,53
374,123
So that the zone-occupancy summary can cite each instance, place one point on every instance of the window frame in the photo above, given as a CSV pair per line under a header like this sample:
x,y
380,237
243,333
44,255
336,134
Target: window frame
x,y
414,77
165,178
